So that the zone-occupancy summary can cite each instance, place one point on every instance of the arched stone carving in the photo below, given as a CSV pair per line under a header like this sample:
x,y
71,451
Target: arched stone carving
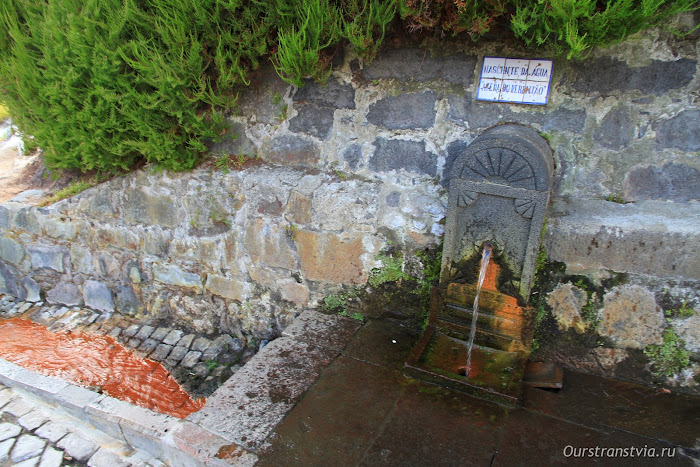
x,y
499,189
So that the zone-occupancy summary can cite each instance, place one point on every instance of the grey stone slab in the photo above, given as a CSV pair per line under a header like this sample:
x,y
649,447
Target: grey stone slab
x,y
5,448
646,237
32,420
26,447
160,333
352,155
133,343
617,130
131,330
97,295
331,94
144,207
414,111
294,151
8,280
178,353
395,154
161,352
6,396
173,275
48,256
52,431
78,447
191,359
105,458
420,65
200,344
173,337
19,407
51,458
329,331
606,75
312,119
680,131
33,462
148,346
11,251
9,430
30,381
671,181
126,300
65,293
74,399
144,429
106,413
254,400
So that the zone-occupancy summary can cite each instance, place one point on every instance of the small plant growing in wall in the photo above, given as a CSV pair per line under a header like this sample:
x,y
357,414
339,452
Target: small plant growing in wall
x,y
391,272
670,357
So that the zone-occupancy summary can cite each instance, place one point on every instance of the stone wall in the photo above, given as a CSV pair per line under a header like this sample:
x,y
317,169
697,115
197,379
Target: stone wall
x,y
345,171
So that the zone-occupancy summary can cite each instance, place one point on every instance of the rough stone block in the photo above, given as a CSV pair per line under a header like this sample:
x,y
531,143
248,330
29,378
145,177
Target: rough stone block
x,y
395,154
26,447
234,289
9,430
143,429
406,111
200,344
52,431
268,244
680,131
32,420
161,352
331,258
52,458
294,292
173,337
5,448
293,150
566,301
331,94
299,208
420,65
312,119
173,275
160,333
191,359
247,407
11,251
617,130
177,354
65,293
48,256
631,318
352,155
604,75
126,301
676,182
145,332
8,281
648,237
141,207
329,331
98,296
29,290
78,447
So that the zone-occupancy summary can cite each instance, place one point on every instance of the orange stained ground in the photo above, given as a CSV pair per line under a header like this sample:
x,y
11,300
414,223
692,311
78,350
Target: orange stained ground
x,y
92,360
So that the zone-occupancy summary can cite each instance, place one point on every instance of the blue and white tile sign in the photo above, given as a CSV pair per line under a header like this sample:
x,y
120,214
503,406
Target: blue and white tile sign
x,y
522,81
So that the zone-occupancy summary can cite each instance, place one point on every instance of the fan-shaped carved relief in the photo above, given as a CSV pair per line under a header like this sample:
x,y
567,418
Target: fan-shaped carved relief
x,y
500,166
525,207
466,198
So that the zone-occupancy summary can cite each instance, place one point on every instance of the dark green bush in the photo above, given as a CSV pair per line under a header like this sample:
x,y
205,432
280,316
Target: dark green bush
x,y
105,84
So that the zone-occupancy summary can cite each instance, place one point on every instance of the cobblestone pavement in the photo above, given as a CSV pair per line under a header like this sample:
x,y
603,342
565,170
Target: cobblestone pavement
x,y
199,363
32,434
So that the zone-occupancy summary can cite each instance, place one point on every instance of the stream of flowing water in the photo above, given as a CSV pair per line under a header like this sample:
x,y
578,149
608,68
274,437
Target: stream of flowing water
x,y
485,256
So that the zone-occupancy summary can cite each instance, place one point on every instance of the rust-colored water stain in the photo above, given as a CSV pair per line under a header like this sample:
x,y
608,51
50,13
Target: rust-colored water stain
x,y
92,360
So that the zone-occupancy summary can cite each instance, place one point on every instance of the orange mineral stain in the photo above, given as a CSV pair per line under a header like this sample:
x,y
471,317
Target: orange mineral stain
x,y
92,360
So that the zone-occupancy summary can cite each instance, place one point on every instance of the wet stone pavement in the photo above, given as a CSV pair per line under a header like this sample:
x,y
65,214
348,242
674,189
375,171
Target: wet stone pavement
x,y
32,434
362,410
199,363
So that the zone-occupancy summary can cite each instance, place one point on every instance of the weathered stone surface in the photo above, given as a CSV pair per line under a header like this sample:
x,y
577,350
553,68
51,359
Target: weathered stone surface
x,y
420,65
78,447
326,330
312,119
48,256
331,94
566,301
98,296
331,258
141,207
231,288
191,359
235,142
676,182
647,237
5,447
337,205
405,111
288,368
9,430
688,329
173,275
198,312
11,251
29,290
294,151
262,99
299,208
616,130
51,458
173,337
398,154
294,292
631,318
26,447
681,131
464,109
352,155
66,294
268,244
605,75
126,301
8,281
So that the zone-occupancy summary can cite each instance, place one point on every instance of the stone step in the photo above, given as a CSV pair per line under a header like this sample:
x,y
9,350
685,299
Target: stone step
x,y
503,326
483,337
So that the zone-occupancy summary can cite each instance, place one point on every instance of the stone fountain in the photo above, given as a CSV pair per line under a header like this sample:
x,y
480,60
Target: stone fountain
x,y
499,190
